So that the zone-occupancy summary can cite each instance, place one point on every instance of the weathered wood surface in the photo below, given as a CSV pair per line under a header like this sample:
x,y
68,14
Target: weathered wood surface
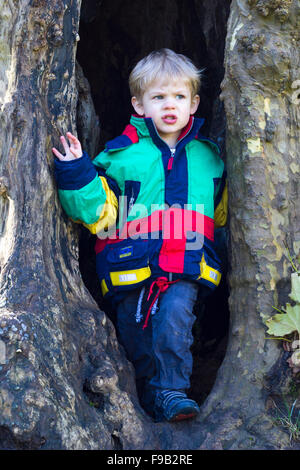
x,y
55,336
263,118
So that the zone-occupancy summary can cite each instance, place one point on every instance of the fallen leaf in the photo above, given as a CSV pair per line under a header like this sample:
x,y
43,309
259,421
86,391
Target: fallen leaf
x,y
283,324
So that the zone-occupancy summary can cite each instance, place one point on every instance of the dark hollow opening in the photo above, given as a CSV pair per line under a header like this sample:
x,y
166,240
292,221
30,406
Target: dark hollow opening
x,y
114,35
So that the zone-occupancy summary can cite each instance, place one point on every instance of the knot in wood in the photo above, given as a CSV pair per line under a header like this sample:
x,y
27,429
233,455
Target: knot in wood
x,y
104,380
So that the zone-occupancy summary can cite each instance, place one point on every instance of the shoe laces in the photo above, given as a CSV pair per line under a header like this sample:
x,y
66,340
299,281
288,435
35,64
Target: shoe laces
x,y
166,396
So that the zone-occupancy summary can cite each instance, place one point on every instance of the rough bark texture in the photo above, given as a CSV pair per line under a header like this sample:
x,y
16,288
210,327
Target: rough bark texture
x,y
57,341
65,382
262,63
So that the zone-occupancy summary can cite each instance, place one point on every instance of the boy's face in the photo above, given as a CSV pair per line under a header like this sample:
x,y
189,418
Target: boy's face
x,y
169,103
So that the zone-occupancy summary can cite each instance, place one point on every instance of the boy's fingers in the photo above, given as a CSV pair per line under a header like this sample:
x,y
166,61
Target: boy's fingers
x,y
69,134
70,150
74,152
64,143
72,138
57,154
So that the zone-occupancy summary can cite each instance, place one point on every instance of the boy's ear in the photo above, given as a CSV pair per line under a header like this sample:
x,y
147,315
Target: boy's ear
x,y
137,105
194,104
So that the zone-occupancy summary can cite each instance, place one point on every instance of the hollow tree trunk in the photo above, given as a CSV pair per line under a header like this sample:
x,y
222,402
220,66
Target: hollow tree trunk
x,y
65,382
262,63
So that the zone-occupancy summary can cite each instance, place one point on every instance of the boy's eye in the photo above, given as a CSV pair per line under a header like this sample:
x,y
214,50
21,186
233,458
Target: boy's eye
x,y
180,97
158,97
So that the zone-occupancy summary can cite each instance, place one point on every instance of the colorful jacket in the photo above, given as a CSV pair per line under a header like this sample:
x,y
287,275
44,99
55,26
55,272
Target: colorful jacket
x,y
154,209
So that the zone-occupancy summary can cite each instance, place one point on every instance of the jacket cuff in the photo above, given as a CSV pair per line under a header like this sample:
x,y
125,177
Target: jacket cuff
x,y
74,174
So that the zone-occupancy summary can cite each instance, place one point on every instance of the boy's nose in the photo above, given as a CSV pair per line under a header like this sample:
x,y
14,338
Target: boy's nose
x,y
169,103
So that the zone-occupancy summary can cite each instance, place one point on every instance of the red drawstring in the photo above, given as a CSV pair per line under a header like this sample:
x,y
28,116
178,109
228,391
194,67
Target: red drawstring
x,y
162,284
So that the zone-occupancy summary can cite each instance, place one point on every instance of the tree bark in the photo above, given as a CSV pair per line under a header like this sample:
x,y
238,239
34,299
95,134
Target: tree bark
x,y
261,65
58,345
65,381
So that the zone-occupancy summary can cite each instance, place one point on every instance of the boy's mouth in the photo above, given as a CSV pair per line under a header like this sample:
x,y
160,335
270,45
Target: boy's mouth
x,y
169,118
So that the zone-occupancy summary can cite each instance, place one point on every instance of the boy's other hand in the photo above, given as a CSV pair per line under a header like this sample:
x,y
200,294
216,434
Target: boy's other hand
x,y
72,151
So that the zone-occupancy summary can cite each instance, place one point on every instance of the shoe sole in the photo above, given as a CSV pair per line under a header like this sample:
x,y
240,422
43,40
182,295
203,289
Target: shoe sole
x,y
183,416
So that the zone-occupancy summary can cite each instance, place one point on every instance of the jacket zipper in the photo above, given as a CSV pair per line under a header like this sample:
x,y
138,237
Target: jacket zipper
x,y
171,158
172,151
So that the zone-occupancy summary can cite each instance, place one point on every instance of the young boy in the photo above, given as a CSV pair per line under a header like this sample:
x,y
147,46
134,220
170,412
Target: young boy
x,y
153,197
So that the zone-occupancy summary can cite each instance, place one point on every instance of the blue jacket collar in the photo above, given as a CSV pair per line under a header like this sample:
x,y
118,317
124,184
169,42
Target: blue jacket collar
x,y
145,127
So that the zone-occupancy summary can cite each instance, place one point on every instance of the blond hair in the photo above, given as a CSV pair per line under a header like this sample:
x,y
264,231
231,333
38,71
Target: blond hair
x,y
163,63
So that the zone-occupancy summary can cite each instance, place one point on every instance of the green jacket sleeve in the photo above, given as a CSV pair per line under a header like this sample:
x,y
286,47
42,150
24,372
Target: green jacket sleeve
x,y
85,195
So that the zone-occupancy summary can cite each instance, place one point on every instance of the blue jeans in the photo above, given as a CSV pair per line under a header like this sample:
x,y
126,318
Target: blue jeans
x,y
161,352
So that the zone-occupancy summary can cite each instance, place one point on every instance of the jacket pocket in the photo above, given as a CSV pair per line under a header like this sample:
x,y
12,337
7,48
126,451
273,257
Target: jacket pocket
x,y
123,265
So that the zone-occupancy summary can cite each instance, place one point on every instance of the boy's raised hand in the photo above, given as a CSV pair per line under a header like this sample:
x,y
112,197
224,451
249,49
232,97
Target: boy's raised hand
x,y
72,151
